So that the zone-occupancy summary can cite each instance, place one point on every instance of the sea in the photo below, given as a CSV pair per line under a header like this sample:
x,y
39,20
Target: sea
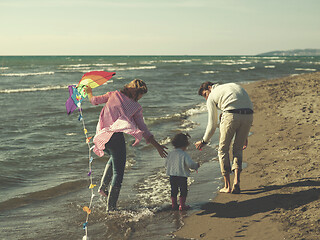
x,y
44,160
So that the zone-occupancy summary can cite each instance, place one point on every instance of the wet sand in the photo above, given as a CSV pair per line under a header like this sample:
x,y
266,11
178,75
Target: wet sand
x,y
280,188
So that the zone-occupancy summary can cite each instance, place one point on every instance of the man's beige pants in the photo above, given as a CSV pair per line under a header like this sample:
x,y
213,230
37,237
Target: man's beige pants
x,y
235,126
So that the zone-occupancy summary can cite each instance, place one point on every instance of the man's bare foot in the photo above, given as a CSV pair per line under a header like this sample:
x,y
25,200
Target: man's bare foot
x,y
225,190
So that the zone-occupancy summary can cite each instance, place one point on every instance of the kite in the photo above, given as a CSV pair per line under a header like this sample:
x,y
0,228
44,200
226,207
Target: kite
x,y
78,93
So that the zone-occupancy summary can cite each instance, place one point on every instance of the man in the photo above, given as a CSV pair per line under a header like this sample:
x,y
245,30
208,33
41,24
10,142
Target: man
x,y
236,120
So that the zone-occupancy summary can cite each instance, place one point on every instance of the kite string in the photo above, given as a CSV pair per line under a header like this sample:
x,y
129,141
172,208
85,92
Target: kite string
x,y
88,210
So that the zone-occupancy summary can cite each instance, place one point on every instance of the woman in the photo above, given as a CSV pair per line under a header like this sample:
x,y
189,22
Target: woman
x,y
121,114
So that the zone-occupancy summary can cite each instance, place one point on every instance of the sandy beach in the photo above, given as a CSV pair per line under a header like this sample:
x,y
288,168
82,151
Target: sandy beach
x,y
280,188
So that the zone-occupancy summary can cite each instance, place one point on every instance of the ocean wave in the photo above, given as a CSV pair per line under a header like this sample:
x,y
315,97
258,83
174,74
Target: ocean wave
x,y
75,65
141,68
4,68
306,69
189,112
25,74
248,68
153,190
146,62
32,89
187,126
270,66
269,57
115,69
108,68
278,61
41,195
36,89
239,62
85,65
165,141
222,60
176,61
209,72
102,64
83,69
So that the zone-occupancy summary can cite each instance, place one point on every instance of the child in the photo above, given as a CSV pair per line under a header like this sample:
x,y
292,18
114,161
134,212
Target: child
x,y
178,164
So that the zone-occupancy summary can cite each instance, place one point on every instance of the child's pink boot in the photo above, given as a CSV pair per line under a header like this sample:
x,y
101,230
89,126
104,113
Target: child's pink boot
x,y
174,205
183,205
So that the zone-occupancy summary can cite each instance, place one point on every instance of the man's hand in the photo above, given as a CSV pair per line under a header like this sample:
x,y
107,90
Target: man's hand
x,y
199,145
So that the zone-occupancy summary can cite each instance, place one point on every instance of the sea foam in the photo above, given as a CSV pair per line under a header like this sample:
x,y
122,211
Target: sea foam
x,y
25,74
33,89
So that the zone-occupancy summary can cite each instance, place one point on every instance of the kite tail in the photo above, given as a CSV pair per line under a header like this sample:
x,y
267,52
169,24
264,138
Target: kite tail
x,y
87,208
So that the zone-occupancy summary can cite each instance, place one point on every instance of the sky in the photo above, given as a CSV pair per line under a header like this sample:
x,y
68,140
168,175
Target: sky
x,y
157,27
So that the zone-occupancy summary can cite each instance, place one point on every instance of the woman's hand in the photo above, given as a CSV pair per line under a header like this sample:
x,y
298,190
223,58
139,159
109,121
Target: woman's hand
x,y
160,148
89,92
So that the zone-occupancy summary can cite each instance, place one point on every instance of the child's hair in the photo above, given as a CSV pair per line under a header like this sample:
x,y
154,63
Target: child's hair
x,y
180,140
134,88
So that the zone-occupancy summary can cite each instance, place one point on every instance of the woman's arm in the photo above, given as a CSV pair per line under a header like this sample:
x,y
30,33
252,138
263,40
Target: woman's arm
x,y
138,118
95,100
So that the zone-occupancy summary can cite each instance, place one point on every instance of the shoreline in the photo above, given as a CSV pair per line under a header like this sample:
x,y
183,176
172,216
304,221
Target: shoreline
x,y
280,187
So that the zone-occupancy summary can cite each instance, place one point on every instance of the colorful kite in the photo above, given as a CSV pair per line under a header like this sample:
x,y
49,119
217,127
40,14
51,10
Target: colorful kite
x,y
78,93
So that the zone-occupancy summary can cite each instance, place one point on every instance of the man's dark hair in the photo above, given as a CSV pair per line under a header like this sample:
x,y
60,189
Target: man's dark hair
x,y
204,86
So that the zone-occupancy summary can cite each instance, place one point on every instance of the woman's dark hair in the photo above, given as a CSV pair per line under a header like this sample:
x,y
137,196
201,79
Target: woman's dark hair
x,y
180,140
204,86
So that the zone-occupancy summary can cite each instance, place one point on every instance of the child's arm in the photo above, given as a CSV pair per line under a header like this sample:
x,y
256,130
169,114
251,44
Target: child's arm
x,y
190,163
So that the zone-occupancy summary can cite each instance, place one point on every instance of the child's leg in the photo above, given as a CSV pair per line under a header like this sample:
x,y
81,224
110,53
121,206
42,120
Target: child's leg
x,y
174,192
174,186
183,185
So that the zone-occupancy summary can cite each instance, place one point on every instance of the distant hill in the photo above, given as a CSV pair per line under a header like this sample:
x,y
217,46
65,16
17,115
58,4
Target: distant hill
x,y
294,52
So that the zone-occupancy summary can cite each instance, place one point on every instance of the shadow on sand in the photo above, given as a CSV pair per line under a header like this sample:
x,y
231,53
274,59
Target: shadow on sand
x,y
271,202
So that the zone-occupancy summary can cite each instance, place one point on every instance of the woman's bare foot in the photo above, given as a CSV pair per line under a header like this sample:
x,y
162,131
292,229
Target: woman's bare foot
x,y
225,190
